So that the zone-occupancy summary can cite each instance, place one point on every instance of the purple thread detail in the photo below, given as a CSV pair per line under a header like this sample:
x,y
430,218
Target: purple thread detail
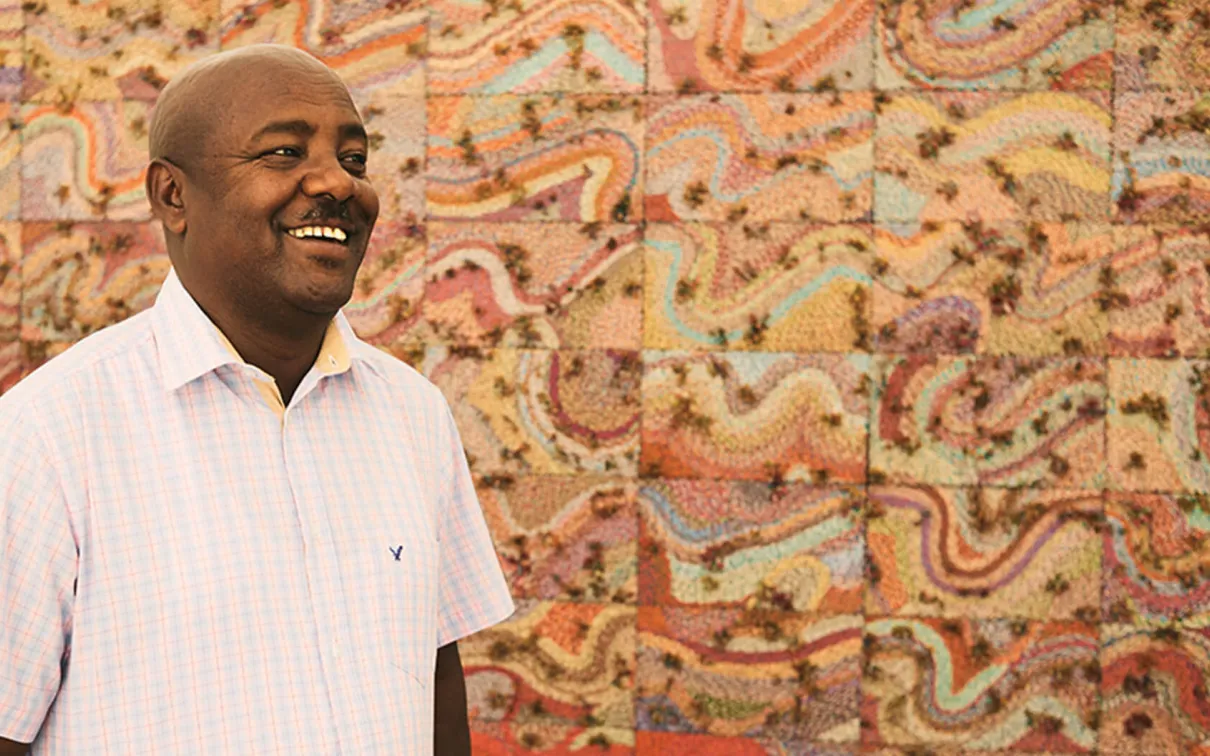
x,y
926,558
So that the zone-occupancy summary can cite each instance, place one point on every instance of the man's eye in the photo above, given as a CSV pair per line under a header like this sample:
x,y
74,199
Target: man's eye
x,y
357,158
285,152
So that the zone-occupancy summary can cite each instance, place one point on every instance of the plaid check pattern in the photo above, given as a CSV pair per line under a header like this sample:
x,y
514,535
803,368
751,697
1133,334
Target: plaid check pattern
x,y
188,569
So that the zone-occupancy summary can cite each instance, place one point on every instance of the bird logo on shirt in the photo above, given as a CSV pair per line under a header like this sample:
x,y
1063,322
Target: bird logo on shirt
x,y
396,552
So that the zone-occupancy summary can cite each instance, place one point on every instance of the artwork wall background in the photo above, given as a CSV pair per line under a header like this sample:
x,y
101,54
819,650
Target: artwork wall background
x,y
834,372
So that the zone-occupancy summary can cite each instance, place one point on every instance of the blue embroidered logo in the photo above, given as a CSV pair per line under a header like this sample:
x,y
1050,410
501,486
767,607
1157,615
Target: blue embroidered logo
x,y
397,554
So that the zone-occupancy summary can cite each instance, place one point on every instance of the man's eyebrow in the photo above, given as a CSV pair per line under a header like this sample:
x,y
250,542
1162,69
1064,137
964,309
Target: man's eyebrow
x,y
353,131
299,127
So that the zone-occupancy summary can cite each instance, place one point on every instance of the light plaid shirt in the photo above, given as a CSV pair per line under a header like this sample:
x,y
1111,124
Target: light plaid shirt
x,y
186,568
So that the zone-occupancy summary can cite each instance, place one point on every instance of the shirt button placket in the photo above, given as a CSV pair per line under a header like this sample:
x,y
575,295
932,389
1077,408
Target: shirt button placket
x,y
312,546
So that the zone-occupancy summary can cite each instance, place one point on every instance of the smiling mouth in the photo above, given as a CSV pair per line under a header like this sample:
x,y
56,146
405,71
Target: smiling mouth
x,y
320,233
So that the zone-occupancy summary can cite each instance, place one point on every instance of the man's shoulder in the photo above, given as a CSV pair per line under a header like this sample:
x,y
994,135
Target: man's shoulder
x,y
83,360
411,383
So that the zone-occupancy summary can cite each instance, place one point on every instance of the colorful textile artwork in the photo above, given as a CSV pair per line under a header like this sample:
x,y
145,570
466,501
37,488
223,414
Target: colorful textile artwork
x,y
834,374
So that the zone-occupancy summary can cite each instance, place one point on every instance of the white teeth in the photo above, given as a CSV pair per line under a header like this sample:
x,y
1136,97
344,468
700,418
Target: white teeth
x,y
326,232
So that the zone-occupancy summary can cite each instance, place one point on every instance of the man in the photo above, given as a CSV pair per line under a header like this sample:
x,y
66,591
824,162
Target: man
x,y
228,525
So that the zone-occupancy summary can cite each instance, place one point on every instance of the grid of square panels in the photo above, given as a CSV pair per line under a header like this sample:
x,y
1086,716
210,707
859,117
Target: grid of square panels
x,y
834,373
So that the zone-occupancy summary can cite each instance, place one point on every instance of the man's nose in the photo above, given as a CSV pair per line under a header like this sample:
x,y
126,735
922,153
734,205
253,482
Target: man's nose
x,y
327,176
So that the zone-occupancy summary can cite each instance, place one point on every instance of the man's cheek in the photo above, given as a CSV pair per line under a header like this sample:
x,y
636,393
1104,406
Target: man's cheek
x,y
369,201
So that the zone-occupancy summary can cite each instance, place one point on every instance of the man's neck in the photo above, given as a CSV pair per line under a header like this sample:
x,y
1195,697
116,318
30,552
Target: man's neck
x,y
286,357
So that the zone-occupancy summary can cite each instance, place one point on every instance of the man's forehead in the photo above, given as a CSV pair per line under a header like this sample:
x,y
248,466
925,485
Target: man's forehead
x,y
257,85
293,104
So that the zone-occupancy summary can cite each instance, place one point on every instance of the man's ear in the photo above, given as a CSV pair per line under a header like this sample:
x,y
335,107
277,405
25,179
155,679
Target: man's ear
x,y
165,186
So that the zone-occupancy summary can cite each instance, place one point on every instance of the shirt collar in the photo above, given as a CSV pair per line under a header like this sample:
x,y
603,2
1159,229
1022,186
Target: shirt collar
x,y
190,345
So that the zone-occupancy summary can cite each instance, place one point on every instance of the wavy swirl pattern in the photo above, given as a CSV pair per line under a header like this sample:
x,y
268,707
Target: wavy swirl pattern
x,y
999,288
521,411
536,46
994,156
724,45
984,553
1159,425
1160,270
12,40
928,298
123,49
375,45
567,538
1154,690
706,282
555,662
832,373
542,739
512,158
724,543
1155,554
386,306
760,158
85,164
991,421
1162,45
10,280
396,131
1059,269
778,674
10,163
754,416
1016,44
76,282
980,685
713,745
535,285
12,363
1161,172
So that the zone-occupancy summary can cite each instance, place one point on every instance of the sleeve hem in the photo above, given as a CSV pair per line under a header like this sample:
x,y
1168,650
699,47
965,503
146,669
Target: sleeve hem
x,y
472,625
16,733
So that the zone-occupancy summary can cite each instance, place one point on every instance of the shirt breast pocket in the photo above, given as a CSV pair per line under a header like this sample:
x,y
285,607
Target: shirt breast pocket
x,y
401,602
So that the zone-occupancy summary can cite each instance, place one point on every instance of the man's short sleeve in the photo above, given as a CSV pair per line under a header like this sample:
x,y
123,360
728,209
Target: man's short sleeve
x,y
472,594
38,570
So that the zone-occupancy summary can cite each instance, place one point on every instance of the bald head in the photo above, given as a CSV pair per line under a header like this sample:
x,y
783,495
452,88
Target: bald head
x,y
248,148
206,96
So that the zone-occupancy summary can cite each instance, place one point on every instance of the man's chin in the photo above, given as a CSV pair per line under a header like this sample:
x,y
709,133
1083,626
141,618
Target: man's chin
x,y
322,296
